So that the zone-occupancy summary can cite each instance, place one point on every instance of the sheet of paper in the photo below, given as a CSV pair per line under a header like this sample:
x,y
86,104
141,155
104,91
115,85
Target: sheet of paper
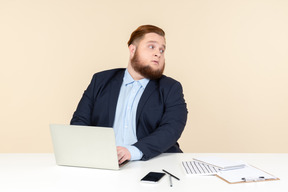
x,y
199,168
248,173
221,163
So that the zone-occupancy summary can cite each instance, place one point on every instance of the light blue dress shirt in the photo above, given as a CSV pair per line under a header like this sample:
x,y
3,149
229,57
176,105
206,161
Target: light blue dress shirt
x,y
125,117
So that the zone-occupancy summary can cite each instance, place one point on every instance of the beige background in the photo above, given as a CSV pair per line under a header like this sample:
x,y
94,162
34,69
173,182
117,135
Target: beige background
x,y
230,56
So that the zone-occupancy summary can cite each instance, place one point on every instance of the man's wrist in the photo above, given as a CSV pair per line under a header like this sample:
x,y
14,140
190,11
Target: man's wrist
x,y
136,154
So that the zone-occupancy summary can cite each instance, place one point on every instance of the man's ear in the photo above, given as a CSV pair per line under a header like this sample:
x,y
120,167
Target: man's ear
x,y
132,50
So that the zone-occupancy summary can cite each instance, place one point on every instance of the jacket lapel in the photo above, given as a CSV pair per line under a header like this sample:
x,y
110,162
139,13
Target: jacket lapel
x,y
150,88
113,98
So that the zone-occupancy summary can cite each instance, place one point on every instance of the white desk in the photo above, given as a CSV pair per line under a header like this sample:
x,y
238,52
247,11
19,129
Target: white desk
x,y
38,172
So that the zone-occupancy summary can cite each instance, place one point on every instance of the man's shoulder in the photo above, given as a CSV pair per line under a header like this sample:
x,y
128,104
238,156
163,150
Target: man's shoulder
x,y
110,72
167,81
107,76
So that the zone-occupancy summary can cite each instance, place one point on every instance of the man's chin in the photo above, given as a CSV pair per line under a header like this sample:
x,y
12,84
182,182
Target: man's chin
x,y
148,71
151,74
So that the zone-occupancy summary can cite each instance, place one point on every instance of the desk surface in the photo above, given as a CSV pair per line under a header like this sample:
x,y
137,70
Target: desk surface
x,y
38,172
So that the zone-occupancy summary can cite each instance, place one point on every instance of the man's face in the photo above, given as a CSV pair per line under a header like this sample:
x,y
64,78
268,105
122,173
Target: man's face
x,y
149,60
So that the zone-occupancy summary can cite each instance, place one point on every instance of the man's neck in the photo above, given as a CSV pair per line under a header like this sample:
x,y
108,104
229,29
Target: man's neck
x,y
135,75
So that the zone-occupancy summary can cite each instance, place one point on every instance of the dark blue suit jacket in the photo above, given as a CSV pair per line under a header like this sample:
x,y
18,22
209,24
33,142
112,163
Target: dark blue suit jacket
x,y
161,113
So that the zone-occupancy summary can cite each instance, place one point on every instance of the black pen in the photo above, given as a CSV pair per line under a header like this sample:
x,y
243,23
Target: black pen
x,y
171,174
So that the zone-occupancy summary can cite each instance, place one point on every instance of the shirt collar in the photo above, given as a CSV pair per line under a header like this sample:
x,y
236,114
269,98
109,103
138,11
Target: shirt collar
x,y
128,79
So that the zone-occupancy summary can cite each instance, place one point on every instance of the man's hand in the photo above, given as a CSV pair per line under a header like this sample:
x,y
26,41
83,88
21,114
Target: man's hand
x,y
123,154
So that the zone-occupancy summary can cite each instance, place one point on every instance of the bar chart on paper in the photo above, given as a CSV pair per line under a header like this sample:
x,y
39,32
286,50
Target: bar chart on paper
x,y
199,168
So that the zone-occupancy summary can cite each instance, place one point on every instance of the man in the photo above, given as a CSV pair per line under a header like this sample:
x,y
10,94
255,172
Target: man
x,y
146,109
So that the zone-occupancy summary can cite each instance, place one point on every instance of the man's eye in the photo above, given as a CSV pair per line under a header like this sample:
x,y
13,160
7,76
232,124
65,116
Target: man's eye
x,y
151,46
161,51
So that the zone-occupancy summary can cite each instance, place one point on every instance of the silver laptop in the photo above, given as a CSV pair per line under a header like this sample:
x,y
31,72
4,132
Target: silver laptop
x,y
84,146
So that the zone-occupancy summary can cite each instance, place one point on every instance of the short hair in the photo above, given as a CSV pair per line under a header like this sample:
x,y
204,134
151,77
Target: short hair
x,y
143,30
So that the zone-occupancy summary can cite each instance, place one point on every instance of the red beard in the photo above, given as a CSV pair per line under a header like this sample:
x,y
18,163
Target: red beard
x,y
145,69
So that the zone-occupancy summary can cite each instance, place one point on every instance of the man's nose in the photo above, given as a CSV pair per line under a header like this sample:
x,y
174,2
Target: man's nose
x,y
157,53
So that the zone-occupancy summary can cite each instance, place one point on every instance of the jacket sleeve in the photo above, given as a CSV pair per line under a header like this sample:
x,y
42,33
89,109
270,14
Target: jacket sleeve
x,y
82,115
164,137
